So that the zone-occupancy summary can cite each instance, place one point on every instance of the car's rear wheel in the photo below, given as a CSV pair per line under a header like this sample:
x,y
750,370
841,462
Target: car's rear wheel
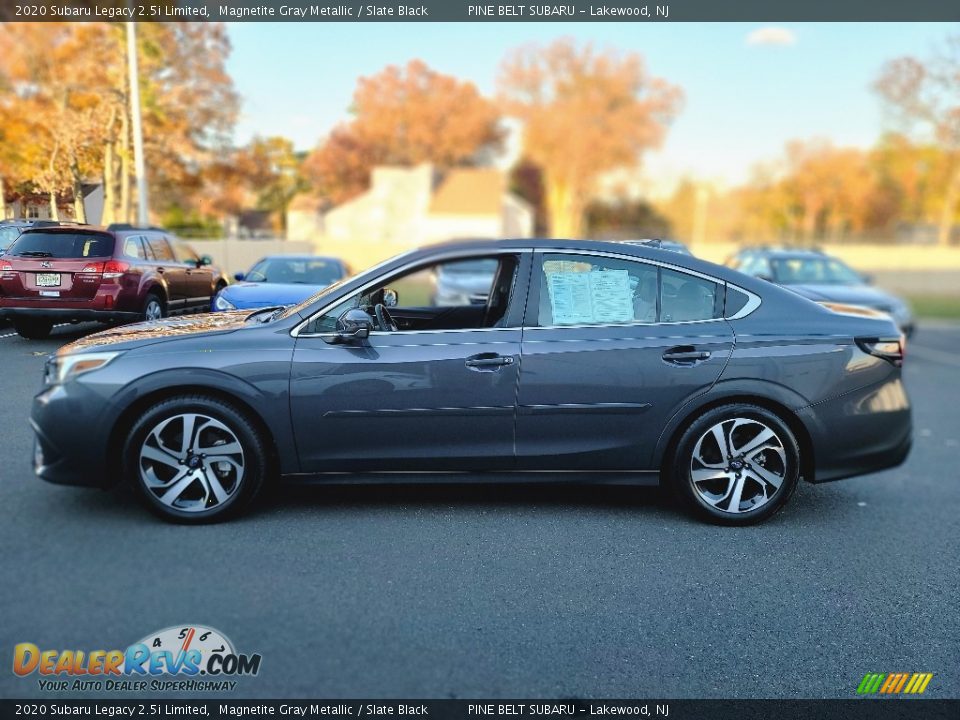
x,y
736,464
33,328
154,308
196,459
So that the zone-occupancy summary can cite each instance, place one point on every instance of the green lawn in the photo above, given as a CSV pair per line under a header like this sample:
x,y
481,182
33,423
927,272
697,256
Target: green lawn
x,y
936,306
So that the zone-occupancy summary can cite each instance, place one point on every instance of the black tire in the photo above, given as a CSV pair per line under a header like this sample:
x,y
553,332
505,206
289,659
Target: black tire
x,y
33,328
254,460
154,307
721,473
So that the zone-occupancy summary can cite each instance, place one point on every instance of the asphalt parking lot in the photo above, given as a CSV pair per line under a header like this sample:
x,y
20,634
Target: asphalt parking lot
x,y
559,592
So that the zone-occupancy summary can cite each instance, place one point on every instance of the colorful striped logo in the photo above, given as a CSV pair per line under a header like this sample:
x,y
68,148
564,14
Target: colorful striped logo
x,y
894,683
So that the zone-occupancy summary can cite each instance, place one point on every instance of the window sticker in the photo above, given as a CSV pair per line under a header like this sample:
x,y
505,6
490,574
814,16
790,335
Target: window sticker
x,y
597,297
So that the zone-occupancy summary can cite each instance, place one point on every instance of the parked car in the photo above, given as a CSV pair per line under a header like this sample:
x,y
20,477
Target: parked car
x,y
821,278
279,280
72,274
638,365
674,245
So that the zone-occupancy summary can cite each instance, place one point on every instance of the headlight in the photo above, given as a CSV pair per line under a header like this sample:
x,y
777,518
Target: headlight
x,y
63,367
221,303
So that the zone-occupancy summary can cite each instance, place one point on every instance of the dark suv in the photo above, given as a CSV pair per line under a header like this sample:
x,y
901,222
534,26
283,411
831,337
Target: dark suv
x,y
73,274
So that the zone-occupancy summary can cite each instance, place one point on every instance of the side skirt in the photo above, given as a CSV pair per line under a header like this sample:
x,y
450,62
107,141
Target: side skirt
x,y
647,478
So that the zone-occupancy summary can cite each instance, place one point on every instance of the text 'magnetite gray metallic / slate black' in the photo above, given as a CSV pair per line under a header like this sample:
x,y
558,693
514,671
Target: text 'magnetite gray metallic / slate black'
x,y
587,361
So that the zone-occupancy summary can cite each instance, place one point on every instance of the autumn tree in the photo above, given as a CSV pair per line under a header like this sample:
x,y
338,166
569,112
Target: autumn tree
x,y
924,97
584,113
403,116
69,81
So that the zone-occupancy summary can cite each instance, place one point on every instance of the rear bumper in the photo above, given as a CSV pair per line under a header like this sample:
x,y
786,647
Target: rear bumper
x,y
60,314
862,432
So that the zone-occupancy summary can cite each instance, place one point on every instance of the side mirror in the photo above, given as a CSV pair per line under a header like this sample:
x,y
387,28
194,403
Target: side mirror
x,y
391,297
353,327
239,276
867,278
204,260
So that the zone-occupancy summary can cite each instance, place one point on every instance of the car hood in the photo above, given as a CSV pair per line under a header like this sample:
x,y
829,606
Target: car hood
x,y
254,294
147,333
849,294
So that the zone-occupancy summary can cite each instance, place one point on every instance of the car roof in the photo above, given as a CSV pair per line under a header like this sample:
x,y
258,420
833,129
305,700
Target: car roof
x,y
784,252
284,256
665,257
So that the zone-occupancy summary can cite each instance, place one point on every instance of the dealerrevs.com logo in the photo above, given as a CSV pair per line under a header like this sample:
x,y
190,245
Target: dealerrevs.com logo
x,y
179,658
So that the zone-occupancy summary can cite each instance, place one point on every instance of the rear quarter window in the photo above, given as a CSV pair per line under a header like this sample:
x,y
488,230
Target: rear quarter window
x,y
63,245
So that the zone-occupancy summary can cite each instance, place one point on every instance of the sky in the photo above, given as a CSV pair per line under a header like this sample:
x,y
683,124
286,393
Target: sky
x,y
749,88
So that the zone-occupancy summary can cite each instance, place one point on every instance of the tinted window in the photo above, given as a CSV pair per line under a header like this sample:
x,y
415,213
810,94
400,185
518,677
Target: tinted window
x,y
736,301
685,298
63,245
160,248
584,290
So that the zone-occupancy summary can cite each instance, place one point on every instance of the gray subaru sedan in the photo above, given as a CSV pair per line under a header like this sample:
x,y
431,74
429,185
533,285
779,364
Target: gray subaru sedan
x,y
589,361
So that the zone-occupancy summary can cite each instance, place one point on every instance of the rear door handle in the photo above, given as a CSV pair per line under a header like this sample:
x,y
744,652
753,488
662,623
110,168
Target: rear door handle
x,y
488,361
685,355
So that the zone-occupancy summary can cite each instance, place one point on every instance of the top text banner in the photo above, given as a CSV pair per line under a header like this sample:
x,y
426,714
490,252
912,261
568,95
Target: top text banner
x,y
465,11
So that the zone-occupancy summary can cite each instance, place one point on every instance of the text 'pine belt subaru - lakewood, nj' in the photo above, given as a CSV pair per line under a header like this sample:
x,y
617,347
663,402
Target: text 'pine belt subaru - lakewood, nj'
x,y
586,361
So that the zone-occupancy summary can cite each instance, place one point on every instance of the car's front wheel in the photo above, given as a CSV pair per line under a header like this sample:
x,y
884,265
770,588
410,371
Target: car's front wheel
x,y
736,464
196,459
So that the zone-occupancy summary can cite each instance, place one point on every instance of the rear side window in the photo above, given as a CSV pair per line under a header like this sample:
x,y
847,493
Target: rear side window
x,y
63,245
133,248
588,290
687,298
160,249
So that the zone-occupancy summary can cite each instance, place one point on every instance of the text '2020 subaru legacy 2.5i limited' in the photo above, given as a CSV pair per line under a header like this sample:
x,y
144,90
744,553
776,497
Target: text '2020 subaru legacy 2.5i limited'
x,y
589,361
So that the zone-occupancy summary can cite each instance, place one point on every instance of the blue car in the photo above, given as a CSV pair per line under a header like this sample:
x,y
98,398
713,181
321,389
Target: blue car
x,y
280,280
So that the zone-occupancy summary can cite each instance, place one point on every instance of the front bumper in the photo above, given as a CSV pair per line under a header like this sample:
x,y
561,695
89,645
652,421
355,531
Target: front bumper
x,y
71,443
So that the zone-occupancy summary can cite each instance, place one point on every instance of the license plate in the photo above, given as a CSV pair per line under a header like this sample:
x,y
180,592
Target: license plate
x,y
48,279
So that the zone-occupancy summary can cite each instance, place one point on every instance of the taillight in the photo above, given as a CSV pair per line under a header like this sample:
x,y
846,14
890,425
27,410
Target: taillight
x,y
890,349
6,267
114,269
6,271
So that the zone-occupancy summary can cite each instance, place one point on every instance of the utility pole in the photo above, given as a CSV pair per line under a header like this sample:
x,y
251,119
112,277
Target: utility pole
x,y
143,218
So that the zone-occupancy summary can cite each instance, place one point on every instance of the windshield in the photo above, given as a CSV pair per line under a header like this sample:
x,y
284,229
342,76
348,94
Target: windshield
x,y
813,271
62,245
7,235
305,271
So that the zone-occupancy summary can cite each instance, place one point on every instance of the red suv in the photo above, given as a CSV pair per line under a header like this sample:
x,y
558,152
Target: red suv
x,y
71,274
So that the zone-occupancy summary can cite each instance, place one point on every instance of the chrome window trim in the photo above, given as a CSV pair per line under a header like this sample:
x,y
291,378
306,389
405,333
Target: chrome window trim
x,y
449,255
753,300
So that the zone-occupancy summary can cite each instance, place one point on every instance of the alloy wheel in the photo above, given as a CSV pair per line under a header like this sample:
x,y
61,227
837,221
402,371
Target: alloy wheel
x,y
738,465
191,462
154,310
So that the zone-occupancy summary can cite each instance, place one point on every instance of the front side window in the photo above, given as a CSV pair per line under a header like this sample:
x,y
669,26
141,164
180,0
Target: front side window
x,y
587,290
160,249
302,271
452,295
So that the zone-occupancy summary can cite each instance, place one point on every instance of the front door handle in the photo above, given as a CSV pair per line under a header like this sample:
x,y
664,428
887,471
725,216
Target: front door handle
x,y
685,355
488,361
